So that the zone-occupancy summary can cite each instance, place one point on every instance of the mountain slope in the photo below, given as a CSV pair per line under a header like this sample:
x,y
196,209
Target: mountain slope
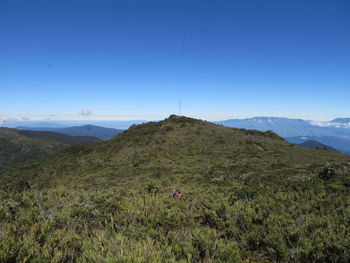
x,y
19,147
180,145
316,145
248,196
85,130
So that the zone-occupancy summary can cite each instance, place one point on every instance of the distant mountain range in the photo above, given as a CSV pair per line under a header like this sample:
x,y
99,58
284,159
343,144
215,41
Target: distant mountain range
x,y
338,123
85,130
316,145
334,134
293,127
122,124
334,142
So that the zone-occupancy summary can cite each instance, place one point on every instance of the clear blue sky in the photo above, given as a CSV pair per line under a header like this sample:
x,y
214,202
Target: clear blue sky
x,y
113,59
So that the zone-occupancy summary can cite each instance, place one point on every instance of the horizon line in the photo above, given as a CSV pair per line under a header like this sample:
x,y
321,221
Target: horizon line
x,y
16,118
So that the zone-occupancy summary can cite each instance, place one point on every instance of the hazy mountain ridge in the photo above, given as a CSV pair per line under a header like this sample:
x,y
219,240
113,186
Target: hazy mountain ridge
x,y
333,142
286,127
115,124
336,123
334,134
316,145
341,120
85,130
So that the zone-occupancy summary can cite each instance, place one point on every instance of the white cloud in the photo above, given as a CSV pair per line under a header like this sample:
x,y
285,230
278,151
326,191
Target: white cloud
x,y
85,113
330,124
51,117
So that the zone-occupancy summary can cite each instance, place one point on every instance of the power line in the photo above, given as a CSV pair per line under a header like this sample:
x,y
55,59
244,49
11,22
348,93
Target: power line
x,y
203,39
208,15
180,107
183,55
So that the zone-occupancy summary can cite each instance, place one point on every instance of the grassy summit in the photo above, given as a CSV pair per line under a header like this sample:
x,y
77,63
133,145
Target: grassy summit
x,y
179,148
248,196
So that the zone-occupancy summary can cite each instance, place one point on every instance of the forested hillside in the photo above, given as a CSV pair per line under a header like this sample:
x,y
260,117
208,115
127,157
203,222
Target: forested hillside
x,y
248,196
18,147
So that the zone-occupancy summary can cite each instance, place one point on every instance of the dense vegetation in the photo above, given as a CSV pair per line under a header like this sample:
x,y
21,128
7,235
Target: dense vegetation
x,y
249,196
18,147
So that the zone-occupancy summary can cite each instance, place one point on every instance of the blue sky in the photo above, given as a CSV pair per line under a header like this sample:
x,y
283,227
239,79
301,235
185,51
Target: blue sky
x,y
112,59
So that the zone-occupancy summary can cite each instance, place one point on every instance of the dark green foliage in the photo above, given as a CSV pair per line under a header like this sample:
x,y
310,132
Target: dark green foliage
x,y
18,147
248,197
278,224
327,173
56,137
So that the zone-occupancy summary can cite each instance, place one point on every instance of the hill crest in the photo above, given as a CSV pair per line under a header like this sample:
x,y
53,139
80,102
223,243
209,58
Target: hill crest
x,y
178,147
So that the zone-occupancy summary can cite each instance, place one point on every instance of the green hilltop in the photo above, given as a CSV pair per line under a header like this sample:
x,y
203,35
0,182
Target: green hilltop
x,y
179,148
249,196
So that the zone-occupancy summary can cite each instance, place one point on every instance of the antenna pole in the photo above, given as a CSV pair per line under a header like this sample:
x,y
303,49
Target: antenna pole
x,y
180,107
